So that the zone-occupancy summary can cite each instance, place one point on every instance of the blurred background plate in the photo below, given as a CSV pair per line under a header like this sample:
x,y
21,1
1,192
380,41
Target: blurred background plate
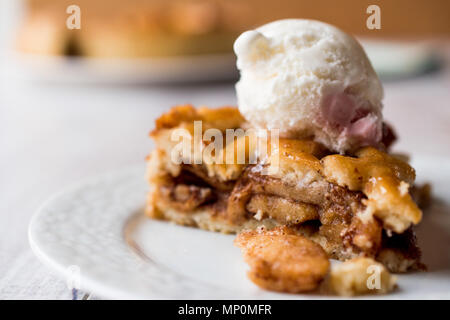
x,y
86,70
393,60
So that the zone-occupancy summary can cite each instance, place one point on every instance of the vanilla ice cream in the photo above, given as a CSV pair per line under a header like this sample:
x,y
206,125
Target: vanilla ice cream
x,y
309,79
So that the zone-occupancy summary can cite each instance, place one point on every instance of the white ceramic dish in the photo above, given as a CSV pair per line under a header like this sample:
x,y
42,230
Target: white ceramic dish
x,y
98,226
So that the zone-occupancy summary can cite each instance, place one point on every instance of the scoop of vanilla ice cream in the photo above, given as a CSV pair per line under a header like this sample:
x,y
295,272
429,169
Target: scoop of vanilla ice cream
x,y
309,79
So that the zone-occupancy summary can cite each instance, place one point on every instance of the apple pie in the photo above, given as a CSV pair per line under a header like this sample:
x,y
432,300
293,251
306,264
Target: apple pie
x,y
353,205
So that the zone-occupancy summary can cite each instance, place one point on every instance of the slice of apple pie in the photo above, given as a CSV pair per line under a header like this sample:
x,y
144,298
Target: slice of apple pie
x,y
352,205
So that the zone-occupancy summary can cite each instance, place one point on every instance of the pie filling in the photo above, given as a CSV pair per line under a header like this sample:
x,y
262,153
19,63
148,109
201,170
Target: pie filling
x,y
358,205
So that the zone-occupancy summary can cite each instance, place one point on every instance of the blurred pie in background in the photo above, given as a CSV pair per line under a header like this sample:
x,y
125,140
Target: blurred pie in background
x,y
194,37
136,28
151,28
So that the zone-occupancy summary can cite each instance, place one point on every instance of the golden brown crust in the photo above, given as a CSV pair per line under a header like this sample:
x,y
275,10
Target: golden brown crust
x,y
281,260
385,181
183,117
177,115
222,118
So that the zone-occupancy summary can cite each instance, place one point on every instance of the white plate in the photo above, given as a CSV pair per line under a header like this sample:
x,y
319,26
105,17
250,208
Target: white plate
x,y
98,227
75,70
